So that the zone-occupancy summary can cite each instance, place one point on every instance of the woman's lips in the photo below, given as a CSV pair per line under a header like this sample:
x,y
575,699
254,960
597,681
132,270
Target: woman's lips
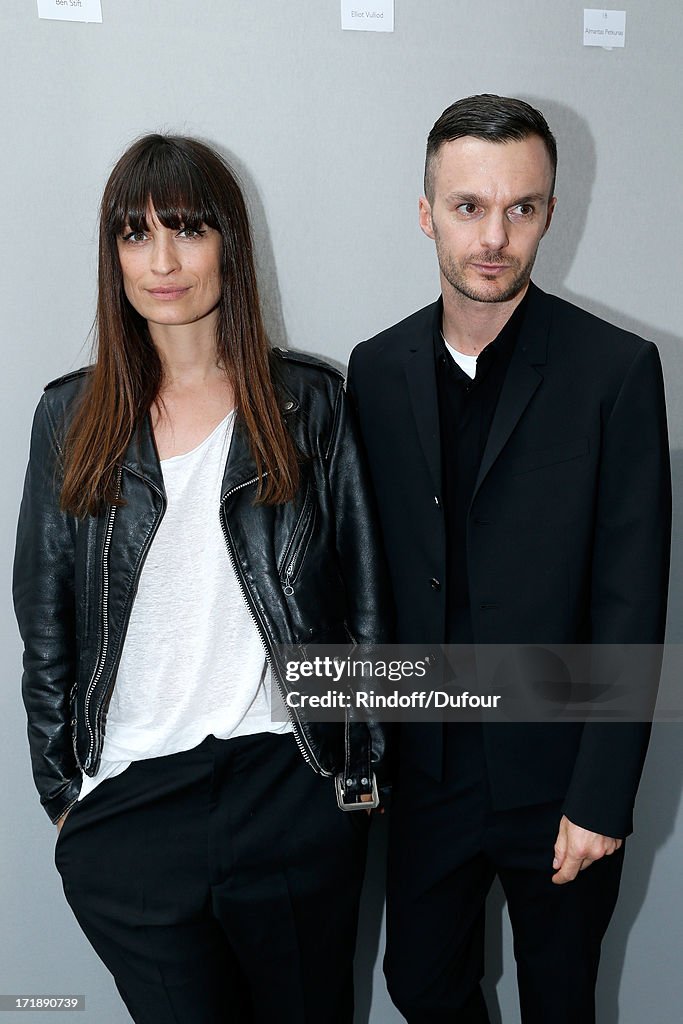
x,y
167,293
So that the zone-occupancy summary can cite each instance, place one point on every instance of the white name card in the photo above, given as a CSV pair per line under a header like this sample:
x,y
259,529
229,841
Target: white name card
x,y
70,10
375,16
604,28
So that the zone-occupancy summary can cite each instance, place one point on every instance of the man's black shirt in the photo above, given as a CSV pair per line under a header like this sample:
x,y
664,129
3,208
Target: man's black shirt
x,y
466,410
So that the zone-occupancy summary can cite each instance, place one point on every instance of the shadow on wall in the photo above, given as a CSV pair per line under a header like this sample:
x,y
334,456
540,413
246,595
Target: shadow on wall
x,y
656,810
577,166
658,798
269,289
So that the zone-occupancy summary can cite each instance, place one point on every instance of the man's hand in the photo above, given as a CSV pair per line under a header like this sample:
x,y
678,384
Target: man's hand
x,y
576,848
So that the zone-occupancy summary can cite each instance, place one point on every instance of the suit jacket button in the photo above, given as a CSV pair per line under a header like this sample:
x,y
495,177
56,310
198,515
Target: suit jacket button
x,y
434,584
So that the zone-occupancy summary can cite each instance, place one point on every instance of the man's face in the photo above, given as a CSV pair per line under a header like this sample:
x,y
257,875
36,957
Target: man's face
x,y
490,208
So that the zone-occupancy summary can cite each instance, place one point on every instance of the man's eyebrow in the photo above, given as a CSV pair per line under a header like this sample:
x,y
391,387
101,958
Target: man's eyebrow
x,y
472,197
532,197
465,197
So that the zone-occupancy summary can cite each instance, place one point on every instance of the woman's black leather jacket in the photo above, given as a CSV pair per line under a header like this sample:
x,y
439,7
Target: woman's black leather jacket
x,y
311,572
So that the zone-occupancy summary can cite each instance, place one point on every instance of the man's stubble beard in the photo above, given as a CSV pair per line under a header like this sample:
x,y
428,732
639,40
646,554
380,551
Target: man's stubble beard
x,y
456,276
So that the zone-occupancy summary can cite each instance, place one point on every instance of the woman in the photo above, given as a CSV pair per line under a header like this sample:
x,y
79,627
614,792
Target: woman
x,y
192,501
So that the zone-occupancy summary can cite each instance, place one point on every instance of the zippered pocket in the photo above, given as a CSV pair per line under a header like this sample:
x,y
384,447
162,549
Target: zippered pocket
x,y
73,722
292,560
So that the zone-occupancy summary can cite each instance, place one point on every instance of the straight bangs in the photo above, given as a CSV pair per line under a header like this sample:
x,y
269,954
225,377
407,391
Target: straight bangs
x,y
166,177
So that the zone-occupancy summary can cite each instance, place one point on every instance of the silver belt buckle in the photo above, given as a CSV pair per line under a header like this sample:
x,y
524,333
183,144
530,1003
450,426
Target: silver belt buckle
x,y
357,805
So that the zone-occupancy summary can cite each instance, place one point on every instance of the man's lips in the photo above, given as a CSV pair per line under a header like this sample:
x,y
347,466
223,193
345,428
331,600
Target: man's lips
x,y
491,268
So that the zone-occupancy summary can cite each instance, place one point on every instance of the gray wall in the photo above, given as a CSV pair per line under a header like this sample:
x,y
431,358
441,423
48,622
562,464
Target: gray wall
x,y
328,129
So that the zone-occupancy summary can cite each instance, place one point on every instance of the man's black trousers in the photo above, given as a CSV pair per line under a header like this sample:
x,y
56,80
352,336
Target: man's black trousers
x,y
220,885
447,845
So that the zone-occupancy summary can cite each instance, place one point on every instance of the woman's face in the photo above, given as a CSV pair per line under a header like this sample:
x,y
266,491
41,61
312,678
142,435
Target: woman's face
x,y
171,276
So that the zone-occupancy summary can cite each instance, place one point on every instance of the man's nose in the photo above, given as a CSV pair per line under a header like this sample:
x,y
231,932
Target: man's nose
x,y
494,233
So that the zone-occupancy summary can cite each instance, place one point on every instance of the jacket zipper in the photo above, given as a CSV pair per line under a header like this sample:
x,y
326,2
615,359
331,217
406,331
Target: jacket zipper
x,y
99,667
296,546
304,749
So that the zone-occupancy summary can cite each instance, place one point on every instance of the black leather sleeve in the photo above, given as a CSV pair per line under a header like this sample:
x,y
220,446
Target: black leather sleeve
x,y
43,591
359,543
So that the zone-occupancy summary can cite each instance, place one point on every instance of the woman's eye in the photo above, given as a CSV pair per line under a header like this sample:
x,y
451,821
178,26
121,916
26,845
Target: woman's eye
x,y
192,232
134,236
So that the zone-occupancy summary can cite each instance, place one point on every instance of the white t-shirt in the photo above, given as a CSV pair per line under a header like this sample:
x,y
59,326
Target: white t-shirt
x,y
193,663
465,362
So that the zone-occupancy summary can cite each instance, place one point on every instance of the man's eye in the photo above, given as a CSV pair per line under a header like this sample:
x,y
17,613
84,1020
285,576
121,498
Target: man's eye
x,y
523,210
467,208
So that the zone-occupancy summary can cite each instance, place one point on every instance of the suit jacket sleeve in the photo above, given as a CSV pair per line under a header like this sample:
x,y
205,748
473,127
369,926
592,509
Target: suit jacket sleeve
x,y
628,587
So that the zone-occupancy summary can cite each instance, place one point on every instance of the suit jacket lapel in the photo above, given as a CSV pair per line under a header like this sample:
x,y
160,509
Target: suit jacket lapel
x,y
521,380
421,381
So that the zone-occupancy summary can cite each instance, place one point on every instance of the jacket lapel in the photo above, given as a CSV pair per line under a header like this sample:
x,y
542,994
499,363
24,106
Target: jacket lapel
x,y
521,380
142,460
421,381
141,457
240,467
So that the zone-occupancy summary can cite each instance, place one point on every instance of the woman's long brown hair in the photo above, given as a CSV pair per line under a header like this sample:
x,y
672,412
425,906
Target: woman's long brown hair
x,y
188,185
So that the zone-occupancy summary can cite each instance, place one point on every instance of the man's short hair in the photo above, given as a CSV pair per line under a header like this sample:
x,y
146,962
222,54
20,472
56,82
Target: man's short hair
x,y
488,117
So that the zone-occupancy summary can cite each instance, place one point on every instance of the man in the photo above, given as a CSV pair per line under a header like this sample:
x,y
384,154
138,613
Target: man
x,y
519,455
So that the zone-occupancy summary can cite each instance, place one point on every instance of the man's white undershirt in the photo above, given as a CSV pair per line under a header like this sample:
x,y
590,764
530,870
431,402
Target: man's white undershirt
x,y
192,663
466,363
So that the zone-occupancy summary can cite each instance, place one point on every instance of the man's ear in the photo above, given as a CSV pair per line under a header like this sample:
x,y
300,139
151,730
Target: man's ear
x,y
426,217
551,209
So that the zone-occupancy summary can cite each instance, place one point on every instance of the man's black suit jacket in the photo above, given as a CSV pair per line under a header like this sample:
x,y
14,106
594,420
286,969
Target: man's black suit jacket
x,y
567,534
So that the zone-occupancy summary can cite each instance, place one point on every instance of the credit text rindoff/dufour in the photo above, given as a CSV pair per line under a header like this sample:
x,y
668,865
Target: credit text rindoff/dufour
x,y
372,701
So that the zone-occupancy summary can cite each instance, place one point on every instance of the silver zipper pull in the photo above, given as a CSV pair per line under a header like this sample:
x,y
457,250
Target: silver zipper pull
x,y
288,588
